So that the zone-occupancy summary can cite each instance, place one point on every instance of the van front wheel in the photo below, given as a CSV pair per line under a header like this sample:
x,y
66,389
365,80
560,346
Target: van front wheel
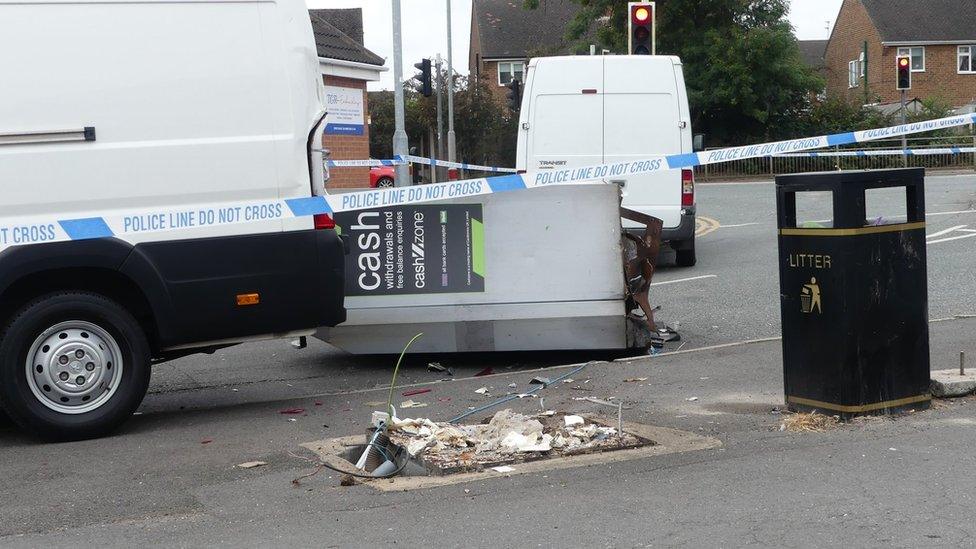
x,y
73,365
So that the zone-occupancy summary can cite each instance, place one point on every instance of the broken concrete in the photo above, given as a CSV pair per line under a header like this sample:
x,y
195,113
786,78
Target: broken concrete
x,y
949,383
668,441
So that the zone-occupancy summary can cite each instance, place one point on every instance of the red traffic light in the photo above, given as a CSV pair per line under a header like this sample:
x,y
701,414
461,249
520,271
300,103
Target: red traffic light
x,y
640,14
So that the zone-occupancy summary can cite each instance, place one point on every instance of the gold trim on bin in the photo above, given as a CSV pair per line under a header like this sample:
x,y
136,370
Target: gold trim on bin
x,y
895,227
862,408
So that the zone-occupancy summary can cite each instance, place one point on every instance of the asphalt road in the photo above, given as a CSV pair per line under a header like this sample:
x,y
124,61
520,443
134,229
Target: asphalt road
x,y
740,298
168,478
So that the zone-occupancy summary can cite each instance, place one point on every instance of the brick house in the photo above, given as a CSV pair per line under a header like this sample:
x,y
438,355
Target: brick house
x,y
504,36
346,66
939,35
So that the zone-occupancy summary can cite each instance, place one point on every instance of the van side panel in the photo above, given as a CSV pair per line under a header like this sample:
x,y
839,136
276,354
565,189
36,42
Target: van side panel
x,y
180,95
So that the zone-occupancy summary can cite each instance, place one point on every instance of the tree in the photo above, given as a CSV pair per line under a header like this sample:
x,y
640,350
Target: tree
x,y
485,131
742,67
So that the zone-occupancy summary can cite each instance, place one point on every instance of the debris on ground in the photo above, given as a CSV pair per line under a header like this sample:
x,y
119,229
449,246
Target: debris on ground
x,y
206,441
508,436
502,469
808,423
486,372
692,399
512,385
347,480
292,411
412,404
413,392
568,380
634,379
539,380
438,367
573,420
251,464
482,391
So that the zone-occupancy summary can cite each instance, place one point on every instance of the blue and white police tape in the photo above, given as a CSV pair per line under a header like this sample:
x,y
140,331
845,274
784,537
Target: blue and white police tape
x,y
398,160
363,163
132,223
461,165
883,152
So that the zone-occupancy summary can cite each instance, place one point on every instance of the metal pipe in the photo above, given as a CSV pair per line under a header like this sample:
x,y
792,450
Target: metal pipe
x,y
400,145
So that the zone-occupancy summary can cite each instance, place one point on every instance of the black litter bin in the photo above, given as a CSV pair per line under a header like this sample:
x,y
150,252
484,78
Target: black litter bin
x,y
853,297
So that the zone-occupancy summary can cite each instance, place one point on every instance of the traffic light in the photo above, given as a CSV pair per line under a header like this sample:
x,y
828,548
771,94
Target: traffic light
x,y
904,73
424,77
640,27
514,95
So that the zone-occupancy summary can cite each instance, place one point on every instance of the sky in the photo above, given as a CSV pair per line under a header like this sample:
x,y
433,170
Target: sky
x,y
424,28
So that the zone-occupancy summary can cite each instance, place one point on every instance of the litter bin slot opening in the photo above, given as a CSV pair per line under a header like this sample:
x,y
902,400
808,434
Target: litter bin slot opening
x,y
885,206
811,209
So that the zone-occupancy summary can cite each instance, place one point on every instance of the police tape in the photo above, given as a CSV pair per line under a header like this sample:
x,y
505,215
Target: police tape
x,y
462,165
882,152
363,163
133,223
413,159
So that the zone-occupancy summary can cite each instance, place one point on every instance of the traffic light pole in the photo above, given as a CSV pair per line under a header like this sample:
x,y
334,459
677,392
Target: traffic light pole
x,y
400,145
451,146
904,120
440,118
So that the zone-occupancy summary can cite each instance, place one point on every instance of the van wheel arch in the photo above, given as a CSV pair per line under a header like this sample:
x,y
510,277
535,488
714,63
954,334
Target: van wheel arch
x,y
103,281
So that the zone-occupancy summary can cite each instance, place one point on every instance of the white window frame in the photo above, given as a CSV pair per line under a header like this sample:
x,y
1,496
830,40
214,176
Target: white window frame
x,y
511,69
907,51
860,65
853,72
970,53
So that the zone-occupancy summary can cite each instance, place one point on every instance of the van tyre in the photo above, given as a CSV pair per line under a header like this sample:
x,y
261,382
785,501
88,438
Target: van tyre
x,y
73,365
685,255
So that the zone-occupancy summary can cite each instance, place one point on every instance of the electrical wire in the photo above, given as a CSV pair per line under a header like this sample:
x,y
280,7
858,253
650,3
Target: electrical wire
x,y
513,397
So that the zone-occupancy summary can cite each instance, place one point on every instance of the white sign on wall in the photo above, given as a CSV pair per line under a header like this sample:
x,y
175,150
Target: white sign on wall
x,y
345,111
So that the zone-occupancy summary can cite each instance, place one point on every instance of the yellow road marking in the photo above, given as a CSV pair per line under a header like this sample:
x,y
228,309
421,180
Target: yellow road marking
x,y
705,225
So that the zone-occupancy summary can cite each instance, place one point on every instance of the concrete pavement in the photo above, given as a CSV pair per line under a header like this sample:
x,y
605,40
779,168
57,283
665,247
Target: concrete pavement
x,y
889,481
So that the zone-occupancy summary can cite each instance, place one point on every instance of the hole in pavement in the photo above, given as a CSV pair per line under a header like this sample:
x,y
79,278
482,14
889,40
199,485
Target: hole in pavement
x,y
450,461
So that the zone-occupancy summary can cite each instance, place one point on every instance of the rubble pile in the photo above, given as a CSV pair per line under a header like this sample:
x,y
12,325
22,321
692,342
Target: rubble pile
x,y
507,437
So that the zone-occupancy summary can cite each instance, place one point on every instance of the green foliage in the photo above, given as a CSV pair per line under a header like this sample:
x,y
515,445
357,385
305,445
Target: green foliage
x,y
745,78
484,129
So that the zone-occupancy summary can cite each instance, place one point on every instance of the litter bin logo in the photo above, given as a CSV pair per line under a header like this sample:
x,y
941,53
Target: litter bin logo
x,y
810,297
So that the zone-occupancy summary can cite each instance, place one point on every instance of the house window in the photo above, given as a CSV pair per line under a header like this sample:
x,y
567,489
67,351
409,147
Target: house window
x,y
966,63
917,53
510,69
854,74
860,65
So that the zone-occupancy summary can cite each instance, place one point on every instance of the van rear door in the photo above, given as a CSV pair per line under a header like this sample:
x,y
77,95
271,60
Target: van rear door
x,y
641,119
565,114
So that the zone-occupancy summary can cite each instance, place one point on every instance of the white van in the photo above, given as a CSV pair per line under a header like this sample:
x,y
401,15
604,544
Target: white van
x,y
148,151
588,110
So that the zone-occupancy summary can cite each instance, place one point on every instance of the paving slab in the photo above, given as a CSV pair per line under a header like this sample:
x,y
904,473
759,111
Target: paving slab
x,y
950,383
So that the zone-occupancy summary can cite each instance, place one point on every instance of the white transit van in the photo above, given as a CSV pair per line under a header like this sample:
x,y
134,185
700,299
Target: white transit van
x,y
149,155
588,110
